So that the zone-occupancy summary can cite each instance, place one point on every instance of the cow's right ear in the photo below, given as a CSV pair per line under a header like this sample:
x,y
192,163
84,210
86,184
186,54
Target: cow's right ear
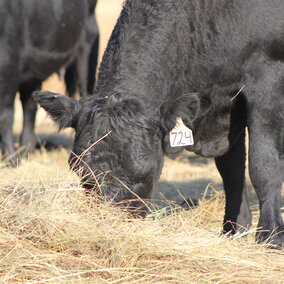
x,y
189,107
62,109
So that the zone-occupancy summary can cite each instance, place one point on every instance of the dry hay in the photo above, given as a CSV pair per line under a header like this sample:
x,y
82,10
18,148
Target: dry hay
x,y
50,233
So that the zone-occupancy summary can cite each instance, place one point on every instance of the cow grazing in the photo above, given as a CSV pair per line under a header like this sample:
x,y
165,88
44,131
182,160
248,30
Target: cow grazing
x,y
37,38
189,58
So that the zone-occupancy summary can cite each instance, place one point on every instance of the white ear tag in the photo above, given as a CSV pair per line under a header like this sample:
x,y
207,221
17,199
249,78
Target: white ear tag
x,y
181,135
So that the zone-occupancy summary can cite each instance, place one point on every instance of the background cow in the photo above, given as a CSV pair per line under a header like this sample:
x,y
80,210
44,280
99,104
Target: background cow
x,y
170,58
37,38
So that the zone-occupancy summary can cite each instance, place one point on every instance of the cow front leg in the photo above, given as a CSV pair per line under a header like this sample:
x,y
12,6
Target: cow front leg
x,y
28,138
231,167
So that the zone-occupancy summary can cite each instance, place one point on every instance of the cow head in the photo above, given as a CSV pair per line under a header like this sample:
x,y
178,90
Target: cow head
x,y
118,147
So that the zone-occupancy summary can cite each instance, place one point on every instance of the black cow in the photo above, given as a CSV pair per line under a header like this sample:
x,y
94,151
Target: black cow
x,y
188,59
36,38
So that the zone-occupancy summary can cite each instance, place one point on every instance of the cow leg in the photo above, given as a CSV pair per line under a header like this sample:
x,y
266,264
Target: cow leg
x,y
232,169
265,106
8,89
7,99
28,138
266,172
92,44
70,78
92,65
82,67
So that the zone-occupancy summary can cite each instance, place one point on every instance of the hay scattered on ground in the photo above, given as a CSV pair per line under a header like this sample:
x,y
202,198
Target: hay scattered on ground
x,y
50,233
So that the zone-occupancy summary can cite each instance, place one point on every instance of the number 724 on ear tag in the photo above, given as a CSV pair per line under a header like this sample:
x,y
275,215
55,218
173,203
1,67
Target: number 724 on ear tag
x,y
181,135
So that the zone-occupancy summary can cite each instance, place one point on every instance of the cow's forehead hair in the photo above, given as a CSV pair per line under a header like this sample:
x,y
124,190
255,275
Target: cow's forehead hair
x,y
94,104
115,111
106,100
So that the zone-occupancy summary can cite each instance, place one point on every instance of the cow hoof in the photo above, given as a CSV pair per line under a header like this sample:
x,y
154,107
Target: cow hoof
x,y
231,228
274,240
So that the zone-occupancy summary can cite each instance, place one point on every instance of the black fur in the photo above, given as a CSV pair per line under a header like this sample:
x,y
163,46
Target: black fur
x,y
37,38
166,52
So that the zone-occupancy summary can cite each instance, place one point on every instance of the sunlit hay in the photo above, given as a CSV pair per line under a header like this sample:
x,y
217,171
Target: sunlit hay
x,y
51,232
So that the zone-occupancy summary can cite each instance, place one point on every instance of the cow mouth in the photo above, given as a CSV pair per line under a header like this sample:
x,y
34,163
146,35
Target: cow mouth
x,y
117,195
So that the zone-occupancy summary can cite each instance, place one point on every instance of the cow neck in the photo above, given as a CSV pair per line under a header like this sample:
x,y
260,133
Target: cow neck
x,y
134,60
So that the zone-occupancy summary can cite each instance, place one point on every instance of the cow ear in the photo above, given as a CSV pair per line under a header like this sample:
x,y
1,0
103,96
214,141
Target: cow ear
x,y
62,109
189,107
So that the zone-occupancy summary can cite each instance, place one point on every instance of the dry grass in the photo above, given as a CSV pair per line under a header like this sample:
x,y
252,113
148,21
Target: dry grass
x,y
49,234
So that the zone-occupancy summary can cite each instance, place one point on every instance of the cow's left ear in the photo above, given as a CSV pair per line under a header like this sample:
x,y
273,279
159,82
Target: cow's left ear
x,y
62,109
188,106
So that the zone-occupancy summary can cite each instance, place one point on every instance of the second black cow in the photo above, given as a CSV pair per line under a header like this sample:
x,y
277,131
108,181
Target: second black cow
x,y
37,38
188,59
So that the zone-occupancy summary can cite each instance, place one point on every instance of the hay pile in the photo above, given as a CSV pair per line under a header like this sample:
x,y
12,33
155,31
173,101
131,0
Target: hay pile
x,y
51,234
